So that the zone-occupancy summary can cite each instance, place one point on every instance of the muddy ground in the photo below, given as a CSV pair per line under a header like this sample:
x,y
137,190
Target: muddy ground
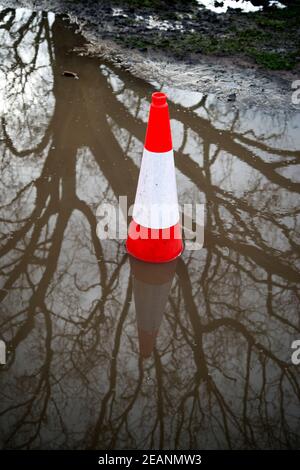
x,y
249,59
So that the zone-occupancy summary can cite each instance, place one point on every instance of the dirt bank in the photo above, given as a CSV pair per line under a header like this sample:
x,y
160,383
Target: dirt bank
x,y
193,49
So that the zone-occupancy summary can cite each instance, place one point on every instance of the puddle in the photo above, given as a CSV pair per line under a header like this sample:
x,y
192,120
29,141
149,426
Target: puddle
x,y
104,353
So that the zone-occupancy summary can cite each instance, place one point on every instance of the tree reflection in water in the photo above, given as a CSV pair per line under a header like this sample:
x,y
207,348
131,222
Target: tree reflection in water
x,y
220,374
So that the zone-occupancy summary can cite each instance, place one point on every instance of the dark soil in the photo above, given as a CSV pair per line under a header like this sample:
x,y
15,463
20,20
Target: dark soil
x,y
270,37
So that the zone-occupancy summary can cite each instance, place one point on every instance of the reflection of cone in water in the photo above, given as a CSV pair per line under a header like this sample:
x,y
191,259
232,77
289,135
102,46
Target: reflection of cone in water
x,y
154,234
151,287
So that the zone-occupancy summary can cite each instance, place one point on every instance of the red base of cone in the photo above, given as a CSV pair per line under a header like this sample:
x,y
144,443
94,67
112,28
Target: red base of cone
x,y
153,246
146,342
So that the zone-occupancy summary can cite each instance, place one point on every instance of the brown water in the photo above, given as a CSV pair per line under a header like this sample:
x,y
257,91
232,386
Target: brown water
x,y
80,320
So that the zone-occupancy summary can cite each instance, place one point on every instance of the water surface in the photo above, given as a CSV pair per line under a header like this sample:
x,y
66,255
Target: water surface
x,y
108,353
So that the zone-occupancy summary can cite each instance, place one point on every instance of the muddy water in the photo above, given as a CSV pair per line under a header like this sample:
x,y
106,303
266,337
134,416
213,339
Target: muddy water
x,y
107,353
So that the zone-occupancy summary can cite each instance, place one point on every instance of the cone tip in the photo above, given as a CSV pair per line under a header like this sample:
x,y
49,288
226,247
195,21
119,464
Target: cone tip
x,y
159,98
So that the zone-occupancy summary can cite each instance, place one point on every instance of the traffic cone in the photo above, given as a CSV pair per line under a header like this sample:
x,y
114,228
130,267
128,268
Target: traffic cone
x,y
154,234
151,287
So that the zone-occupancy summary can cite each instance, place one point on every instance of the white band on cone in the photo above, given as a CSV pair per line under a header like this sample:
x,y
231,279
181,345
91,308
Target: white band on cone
x,y
156,204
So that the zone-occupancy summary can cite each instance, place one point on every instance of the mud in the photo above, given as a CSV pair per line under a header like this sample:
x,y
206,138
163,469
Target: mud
x,y
107,29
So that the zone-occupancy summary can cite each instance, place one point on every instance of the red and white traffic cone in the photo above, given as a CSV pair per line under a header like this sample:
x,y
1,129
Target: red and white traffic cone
x,y
154,234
